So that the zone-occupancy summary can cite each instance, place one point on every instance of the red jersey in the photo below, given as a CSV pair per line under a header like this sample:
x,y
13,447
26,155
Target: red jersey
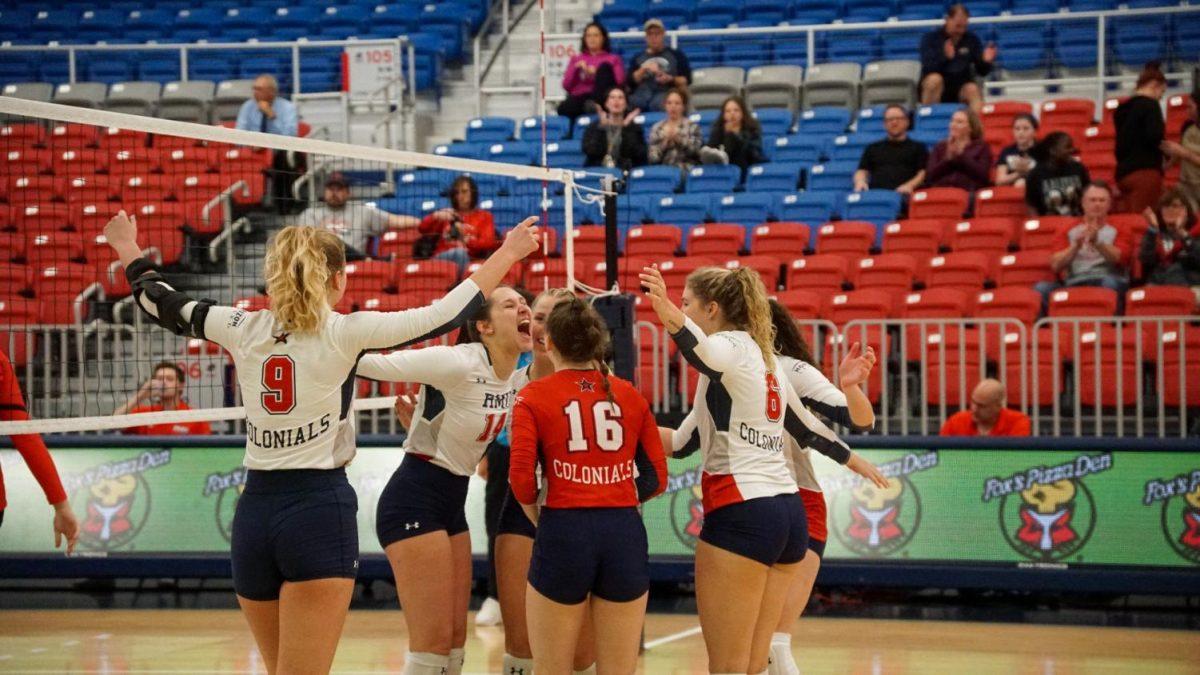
x,y
1009,423
477,228
176,429
586,445
31,447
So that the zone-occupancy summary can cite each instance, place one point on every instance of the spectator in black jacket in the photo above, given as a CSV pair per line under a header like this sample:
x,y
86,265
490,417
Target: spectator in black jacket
x,y
951,59
736,137
1170,250
1054,187
1140,133
615,139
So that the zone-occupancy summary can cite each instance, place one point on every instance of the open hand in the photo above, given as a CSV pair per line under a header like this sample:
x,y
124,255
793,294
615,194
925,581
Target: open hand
x,y
867,470
857,365
522,239
405,407
65,525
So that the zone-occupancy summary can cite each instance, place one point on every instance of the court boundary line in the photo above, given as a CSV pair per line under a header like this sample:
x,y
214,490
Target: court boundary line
x,y
673,637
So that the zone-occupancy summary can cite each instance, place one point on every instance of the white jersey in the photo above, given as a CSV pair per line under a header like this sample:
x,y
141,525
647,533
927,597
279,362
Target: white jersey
x,y
742,413
462,405
298,388
821,396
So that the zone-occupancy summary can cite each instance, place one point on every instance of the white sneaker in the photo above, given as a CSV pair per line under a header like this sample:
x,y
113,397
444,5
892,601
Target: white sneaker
x,y
489,613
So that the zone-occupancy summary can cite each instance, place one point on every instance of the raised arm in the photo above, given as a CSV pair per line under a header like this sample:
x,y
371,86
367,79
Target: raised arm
x,y
431,365
706,354
808,431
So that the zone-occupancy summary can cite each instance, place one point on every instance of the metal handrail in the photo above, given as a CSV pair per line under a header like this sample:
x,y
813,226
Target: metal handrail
x,y
227,233
507,24
224,196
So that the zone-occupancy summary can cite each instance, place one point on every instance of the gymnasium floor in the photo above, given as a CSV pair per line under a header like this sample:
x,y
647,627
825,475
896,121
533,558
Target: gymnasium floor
x,y
217,641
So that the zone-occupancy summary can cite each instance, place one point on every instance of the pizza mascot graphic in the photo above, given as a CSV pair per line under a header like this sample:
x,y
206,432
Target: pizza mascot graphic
x,y
874,514
1046,514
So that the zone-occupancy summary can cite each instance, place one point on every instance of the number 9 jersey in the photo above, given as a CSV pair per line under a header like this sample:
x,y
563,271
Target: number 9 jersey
x,y
588,445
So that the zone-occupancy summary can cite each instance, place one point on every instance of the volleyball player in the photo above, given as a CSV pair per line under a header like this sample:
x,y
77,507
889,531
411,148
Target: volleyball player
x,y
465,399
755,533
295,535
589,431
37,458
847,406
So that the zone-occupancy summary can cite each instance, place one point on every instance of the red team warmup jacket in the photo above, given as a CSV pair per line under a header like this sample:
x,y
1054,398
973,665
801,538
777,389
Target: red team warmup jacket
x,y
31,447
587,448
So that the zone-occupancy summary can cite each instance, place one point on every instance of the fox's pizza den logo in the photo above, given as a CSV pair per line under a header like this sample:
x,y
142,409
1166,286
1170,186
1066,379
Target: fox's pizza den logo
x,y
1047,513
878,522
687,509
114,499
1180,498
228,488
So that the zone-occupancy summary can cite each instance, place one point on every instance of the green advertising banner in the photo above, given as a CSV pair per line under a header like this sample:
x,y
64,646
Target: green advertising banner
x,y
1030,508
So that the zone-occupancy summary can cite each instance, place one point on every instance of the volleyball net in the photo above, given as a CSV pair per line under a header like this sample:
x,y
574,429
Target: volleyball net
x,y
206,200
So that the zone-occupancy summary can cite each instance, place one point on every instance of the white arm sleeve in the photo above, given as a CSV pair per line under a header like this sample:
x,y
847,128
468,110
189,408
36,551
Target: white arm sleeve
x,y
434,366
685,440
362,331
711,355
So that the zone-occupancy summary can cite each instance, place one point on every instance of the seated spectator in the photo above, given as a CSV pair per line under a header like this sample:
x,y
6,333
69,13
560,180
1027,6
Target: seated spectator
x,y
460,232
988,414
1016,160
615,139
657,71
963,160
355,222
590,74
952,59
1170,250
1140,134
736,137
163,391
1055,185
1090,253
1187,151
895,163
676,140
269,113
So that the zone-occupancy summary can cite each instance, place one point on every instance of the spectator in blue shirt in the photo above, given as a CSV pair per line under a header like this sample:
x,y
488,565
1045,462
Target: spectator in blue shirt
x,y
951,59
267,112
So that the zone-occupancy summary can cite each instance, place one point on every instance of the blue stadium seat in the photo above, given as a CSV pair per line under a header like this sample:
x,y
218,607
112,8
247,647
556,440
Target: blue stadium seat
x,y
351,16
936,116
713,178
493,185
1023,60
929,137
849,148
198,18
811,207
832,176
1034,7
704,56
18,67
705,119
828,121
592,176
298,16
1077,56
870,121
634,210
1135,53
531,186
513,152
620,18
507,211
565,154
682,210
800,148
256,18
774,121
99,24
745,208
461,149
647,120
425,181
490,130
557,128
395,19
853,47
769,11
873,206
53,24
214,66
653,180
776,176
673,13
109,70
1014,38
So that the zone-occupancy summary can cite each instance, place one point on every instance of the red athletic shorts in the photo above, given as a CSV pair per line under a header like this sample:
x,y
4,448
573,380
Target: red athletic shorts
x,y
814,508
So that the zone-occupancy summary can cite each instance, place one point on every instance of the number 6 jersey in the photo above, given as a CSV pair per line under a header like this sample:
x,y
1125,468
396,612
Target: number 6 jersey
x,y
462,406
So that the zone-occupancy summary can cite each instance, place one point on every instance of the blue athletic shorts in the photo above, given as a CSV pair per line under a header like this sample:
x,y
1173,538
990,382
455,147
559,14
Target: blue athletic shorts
x,y
421,497
513,519
769,530
598,551
293,525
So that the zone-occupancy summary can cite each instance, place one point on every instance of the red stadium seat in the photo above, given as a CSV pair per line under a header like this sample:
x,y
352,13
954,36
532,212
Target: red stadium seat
x,y
819,273
868,303
384,302
1073,113
1022,304
891,272
846,237
1000,115
939,203
133,162
253,303
542,274
51,247
40,217
716,240
1097,140
1107,381
1177,114
1024,268
21,135
658,242
27,162
31,189
871,336
767,266
595,273
1181,387
75,161
95,188
511,278
371,276
1001,201
935,303
967,270
1038,233
398,244
56,289
786,240
1110,106
426,277
988,235
17,314
90,217
166,237
950,382
14,279
919,238
1082,301
196,186
1160,301
141,189
115,138
675,271
73,135
187,161
589,241
801,304
1101,164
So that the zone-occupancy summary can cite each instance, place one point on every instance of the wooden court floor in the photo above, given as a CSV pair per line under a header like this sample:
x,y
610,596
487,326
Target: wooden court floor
x,y
217,641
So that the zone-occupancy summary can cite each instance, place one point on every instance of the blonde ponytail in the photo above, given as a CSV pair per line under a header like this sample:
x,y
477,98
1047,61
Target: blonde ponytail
x,y
743,300
299,267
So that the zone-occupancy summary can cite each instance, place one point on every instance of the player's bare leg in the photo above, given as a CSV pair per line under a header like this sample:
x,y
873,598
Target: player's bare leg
x,y
263,617
553,631
618,632
513,553
779,581
460,548
311,616
729,590
425,590
793,607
